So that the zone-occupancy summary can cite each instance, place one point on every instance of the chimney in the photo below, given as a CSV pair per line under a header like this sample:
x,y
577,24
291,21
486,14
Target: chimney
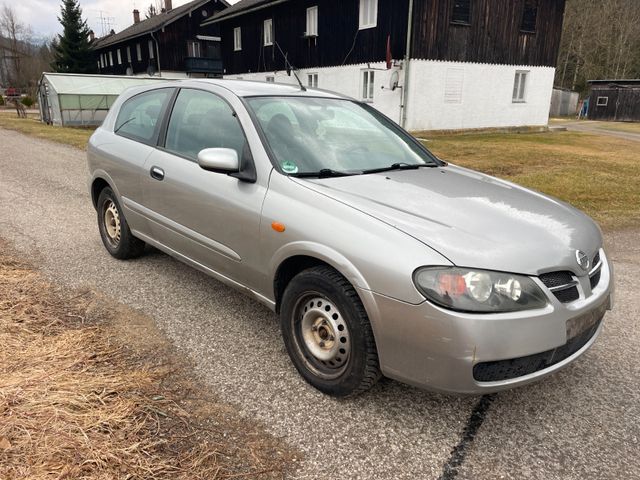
x,y
92,36
136,16
168,5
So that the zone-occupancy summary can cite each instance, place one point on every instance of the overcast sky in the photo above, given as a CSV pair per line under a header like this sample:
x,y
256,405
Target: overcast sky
x,y
42,15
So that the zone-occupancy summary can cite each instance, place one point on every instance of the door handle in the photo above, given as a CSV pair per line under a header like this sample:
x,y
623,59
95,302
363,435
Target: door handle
x,y
157,173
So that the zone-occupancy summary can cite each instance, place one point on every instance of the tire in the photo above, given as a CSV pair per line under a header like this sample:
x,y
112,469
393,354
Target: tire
x,y
327,333
114,229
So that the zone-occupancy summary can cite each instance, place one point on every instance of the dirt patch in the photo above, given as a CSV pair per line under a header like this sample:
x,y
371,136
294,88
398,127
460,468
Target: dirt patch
x,y
91,389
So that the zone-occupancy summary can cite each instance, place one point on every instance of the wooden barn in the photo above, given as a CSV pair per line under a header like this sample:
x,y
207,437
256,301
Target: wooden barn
x,y
614,100
172,43
458,63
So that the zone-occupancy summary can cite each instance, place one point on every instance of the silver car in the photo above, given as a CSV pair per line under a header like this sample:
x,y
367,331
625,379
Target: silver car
x,y
379,258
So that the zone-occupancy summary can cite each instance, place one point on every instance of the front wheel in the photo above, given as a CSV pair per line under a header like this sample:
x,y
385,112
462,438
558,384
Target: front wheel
x,y
327,333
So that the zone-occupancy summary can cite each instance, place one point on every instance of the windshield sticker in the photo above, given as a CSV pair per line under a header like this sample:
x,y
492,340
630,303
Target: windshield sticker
x,y
289,167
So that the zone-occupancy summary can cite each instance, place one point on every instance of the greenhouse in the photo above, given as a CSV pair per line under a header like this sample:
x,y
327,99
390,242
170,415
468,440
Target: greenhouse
x,y
81,100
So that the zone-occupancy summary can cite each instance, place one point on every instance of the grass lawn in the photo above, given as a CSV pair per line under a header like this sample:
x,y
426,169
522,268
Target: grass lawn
x,y
598,174
630,127
76,137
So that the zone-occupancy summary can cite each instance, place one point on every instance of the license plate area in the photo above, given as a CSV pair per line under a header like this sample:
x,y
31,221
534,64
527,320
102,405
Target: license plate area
x,y
579,324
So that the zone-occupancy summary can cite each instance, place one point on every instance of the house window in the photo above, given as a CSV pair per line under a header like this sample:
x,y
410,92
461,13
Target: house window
x,y
111,59
151,52
128,54
520,87
119,55
602,101
271,79
461,12
268,32
139,52
312,22
193,49
368,77
237,39
102,60
529,16
368,13
312,80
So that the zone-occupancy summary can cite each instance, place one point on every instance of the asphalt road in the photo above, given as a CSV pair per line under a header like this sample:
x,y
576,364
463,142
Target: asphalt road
x,y
582,423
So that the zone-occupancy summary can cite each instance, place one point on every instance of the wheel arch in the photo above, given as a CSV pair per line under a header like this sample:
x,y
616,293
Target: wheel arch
x,y
292,259
99,181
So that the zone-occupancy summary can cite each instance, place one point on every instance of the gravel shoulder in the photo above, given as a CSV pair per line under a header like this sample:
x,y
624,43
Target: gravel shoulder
x,y
584,419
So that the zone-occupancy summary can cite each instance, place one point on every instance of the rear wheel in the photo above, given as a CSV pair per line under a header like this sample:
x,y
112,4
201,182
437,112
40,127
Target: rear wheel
x,y
114,230
327,333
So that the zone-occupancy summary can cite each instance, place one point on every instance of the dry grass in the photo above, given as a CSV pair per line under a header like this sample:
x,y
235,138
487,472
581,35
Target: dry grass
x,y
598,174
76,137
627,127
79,401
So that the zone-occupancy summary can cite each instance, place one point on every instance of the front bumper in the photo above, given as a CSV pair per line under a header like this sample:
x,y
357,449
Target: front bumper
x,y
437,349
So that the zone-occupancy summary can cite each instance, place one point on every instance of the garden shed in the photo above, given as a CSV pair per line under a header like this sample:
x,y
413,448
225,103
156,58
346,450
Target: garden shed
x,y
68,99
615,100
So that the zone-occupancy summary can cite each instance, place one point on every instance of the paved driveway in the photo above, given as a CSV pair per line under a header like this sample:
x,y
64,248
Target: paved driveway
x,y
581,423
610,129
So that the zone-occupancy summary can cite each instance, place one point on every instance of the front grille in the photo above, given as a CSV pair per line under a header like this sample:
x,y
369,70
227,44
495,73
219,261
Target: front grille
x,y
562,284
595,279
518,367
596,259
556,279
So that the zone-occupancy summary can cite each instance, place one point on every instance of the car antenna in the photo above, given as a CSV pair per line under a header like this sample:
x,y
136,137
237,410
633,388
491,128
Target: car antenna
x,y
290,68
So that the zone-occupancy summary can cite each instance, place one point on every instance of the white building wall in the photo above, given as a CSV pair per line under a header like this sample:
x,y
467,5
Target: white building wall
x,y
486,99
442,95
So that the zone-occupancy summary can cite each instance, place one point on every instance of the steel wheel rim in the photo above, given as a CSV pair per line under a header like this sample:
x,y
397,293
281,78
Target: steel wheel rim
x,y
322,336
112,224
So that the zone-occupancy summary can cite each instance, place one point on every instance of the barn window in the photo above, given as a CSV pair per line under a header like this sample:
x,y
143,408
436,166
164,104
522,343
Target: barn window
x,y
520,87
312,22
119,55
529,16
268,32
128,54
461,14
193,49
368,78
237,39
151,52
368,14
139,52
312,80
111,59
602,101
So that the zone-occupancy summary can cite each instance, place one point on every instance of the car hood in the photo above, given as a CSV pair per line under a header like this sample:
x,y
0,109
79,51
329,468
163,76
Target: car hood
x,y
472,219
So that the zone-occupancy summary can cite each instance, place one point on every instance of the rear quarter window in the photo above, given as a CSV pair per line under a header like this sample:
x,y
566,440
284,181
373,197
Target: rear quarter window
x,y
140,117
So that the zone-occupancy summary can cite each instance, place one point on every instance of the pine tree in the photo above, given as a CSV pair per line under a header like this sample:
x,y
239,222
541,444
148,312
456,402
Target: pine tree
x,y
72,52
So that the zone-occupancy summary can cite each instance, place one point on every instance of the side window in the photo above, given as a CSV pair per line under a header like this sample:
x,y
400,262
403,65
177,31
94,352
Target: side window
x,y
139,117
203,120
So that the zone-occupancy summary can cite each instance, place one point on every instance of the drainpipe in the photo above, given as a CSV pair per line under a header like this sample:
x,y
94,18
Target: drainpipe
x,y
157,54
405,88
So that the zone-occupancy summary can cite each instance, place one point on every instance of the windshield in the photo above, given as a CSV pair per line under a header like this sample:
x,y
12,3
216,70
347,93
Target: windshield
x,y
321,135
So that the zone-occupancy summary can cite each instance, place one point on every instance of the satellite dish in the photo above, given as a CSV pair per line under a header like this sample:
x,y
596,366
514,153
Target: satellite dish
x,y
151,70
394,80
129,71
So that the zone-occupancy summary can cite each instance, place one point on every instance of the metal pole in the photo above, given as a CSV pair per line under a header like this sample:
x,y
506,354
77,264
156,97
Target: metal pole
x,y
407,57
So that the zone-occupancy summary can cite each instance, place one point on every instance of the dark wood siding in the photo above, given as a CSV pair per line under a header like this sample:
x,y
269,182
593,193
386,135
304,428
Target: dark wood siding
x,y
623,103
493,36
172,43
339,40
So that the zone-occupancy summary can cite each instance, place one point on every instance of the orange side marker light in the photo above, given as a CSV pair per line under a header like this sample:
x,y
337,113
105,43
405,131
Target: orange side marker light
x,y
278,227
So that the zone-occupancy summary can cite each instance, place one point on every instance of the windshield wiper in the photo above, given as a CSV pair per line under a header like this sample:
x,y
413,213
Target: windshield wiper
x,y
400,166
324,173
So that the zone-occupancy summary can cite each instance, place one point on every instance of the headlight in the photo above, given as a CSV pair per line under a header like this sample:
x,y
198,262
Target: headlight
x,y
478,291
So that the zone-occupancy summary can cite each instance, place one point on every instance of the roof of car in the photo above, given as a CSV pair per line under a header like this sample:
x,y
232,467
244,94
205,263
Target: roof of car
x,y
248,88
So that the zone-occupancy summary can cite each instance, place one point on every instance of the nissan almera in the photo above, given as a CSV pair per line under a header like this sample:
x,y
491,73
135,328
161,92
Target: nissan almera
x,y
378,257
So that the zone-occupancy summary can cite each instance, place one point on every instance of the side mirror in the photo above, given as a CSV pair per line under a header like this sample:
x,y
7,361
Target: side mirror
x,y
220,160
